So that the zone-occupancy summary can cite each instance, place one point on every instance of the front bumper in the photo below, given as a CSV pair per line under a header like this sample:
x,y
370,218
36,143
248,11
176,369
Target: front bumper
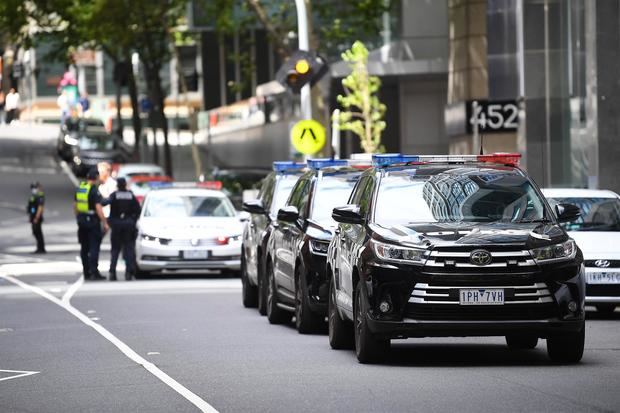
x,y
152,256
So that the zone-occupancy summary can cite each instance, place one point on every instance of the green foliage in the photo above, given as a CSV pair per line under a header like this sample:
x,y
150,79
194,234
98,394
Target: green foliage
x,y
363,112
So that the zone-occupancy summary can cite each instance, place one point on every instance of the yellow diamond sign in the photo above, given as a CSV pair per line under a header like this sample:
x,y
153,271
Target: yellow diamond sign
x,y
308,136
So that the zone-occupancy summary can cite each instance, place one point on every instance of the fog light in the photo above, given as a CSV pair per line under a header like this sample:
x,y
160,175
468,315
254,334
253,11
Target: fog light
x,y
385,306
572,306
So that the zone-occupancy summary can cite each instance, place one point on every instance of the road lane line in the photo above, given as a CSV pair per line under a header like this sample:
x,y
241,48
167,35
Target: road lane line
x,y
69,172
20,373
124,348
66,298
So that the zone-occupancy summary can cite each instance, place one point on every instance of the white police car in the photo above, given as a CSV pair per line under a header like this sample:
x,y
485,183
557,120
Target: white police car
x,y
597,232
188,229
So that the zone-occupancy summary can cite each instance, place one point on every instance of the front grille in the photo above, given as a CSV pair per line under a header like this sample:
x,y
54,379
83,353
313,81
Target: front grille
x,y
457,260
537,293
521,302
612,263
603,290
481,313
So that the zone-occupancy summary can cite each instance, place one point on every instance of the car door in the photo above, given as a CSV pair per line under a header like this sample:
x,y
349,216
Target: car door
x,y
282,242
256,227
346,235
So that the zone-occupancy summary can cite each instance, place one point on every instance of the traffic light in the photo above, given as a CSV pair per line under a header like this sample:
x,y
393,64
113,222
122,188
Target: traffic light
x,y
301,68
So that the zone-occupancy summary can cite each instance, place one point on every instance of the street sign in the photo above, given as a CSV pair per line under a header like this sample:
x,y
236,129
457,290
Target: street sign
x,y
308,136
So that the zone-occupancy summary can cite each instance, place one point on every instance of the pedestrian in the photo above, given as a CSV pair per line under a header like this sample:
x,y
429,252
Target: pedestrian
x,y
84,104
11,105
108,184
35,213
1,107
124,212
92,224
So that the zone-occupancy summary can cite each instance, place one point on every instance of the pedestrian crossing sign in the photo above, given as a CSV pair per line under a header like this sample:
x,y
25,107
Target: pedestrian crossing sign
x,y
308,136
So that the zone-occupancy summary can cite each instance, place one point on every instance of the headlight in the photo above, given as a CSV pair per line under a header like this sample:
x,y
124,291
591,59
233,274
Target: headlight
x,y
318,246
557,252
390,252
163,241
70,140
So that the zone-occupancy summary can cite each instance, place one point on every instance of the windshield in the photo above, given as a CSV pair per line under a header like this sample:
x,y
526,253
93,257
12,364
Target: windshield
x,y
452,195
181,206
96,142
331,192
597,214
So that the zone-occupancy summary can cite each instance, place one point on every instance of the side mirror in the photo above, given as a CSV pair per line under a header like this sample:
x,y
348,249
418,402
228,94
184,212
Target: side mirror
x,y
254,206
288,214
567,212
349,214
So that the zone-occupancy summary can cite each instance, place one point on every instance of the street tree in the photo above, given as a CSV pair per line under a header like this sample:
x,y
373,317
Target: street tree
x,y
363,112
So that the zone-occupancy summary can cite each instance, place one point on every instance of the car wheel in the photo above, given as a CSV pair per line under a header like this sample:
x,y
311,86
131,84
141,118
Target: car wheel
x,y
306,321
340,331
521,341
249,292
367,348
275,314
605,308
568,347
262,293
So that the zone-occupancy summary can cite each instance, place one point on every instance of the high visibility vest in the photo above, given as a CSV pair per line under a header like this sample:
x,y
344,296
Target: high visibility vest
x,y
81,198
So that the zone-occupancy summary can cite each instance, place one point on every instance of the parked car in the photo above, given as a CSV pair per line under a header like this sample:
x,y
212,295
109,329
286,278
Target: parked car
x,y
69,133
597,232
140,185
130,170
94,145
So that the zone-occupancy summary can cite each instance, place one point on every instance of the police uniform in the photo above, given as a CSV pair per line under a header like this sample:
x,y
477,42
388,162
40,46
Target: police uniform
x,y
89,228
124,212
37,199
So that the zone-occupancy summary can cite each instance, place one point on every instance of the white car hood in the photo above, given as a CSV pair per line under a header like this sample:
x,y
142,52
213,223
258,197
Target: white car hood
x,y
598,245
186,228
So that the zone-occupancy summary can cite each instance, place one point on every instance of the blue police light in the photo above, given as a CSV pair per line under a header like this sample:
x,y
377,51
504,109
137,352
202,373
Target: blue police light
x,y
280,166
326,163
386,159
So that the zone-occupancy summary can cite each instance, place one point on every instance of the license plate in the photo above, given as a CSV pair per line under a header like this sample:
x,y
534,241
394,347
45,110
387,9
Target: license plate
x,y
196,254
481,296
602,277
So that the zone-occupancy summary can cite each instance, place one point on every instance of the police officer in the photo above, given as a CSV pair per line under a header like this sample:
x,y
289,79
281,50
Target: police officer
x,y
90,220
35,213
124,212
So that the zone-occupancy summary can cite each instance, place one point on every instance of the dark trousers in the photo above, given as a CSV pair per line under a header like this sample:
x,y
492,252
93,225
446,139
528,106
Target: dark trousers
x,y
123,239
89,237
37,231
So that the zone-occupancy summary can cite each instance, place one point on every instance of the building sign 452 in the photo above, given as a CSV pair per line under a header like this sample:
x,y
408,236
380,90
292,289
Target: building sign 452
x,y
491,116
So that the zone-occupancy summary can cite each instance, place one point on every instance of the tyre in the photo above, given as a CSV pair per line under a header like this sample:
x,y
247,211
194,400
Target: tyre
x,y
262,293
275,314
306,321
340,331
521,341
249,292
605,308
567,348
367,348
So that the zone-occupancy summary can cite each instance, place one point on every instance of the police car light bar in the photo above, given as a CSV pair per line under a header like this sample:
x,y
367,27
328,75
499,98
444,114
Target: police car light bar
x,y
326,163
280,166
508,159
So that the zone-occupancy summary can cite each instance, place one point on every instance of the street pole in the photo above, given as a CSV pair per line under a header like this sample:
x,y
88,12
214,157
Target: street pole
x,y
304,44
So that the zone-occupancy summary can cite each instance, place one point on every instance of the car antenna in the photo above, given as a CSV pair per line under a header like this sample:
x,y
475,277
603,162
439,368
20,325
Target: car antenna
x,y
481,144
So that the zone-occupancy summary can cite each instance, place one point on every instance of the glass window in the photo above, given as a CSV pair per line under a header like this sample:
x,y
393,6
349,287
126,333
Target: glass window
x,y
266,191
597,214
331,192
456,195
282,191
96,142
180,206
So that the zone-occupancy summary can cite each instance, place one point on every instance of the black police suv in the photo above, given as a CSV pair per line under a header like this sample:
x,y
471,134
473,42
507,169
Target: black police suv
x,y
453,246
273,193
297,247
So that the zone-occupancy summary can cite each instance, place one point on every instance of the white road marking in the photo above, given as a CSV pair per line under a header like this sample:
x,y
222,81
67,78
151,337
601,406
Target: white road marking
x,y
20,373
66,298
69,173
53,248
91,312
95,318
152,353
124,348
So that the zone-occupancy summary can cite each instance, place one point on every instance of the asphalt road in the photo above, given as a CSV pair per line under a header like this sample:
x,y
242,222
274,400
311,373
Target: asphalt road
x,y
186,343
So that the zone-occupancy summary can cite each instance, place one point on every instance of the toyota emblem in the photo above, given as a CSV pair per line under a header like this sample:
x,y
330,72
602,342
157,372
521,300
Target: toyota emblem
x,y
602,263
194,242
480,257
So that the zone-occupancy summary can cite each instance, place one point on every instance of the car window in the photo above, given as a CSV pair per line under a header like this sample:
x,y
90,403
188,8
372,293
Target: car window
x,y
332,191
358,190
266,191
597,214
96,142
179,206
282,191
298,193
